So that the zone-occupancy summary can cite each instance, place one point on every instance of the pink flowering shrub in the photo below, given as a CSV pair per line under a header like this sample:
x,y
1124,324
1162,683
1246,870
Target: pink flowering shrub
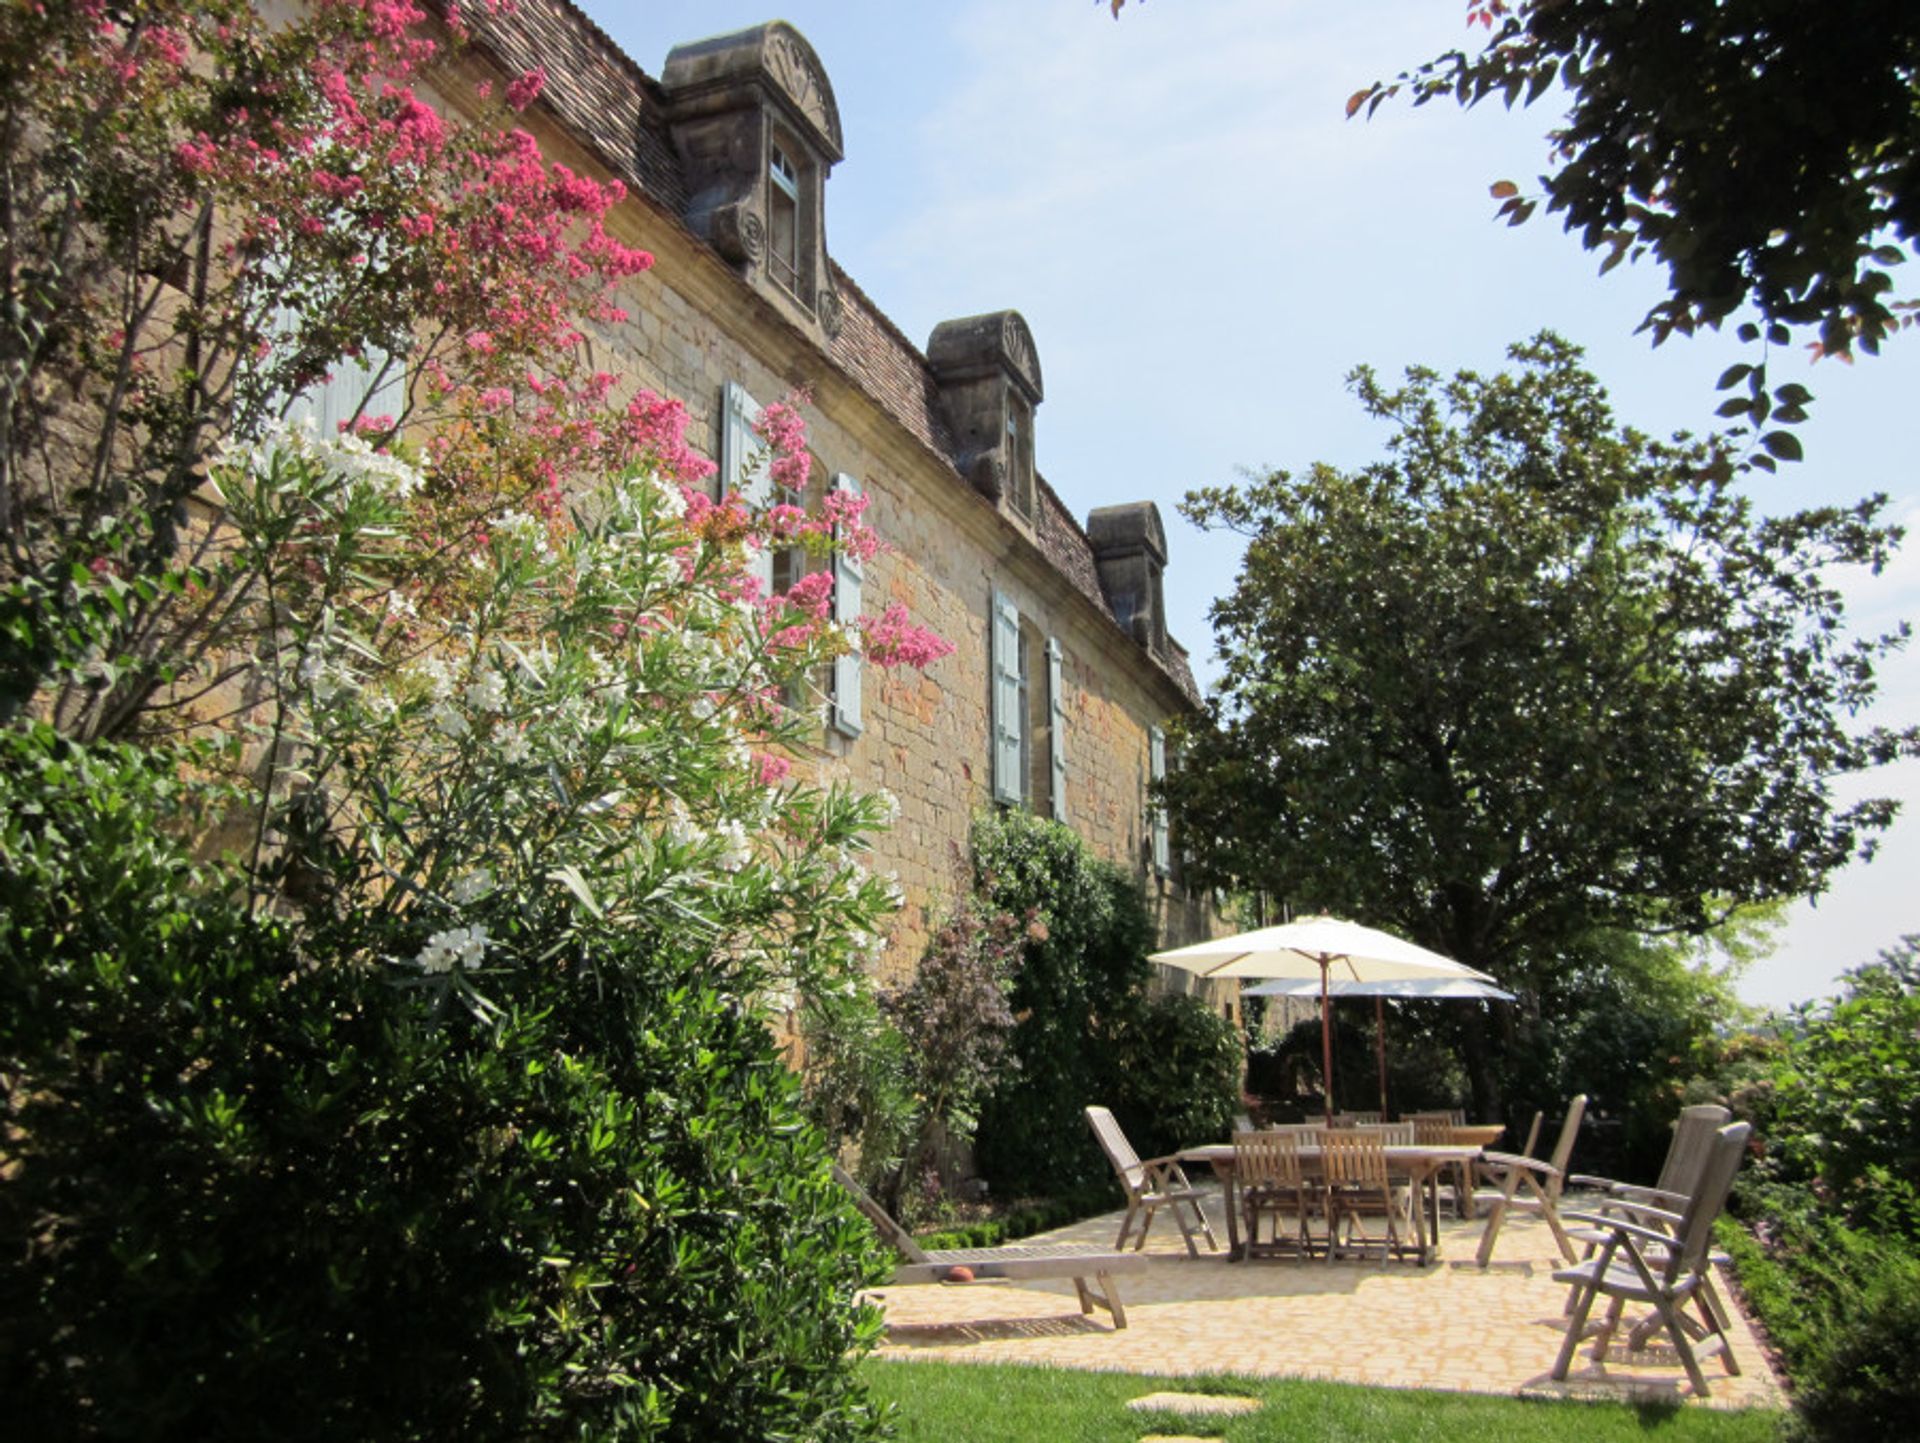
x,y
478,1129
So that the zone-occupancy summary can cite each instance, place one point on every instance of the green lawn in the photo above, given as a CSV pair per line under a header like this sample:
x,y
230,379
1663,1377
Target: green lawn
x,y
993,1403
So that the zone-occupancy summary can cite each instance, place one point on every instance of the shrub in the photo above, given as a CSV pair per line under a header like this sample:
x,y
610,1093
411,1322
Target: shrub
x,y
1082,968
1179,1079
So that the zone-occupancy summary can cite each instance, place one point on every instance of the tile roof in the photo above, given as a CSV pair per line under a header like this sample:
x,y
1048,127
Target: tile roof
x,y
619,112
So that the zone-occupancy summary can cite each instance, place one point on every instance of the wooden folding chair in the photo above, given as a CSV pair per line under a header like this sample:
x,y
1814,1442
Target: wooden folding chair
x,y
1358,1187
1531,1185
1668,1269
1150,1185
1270,1181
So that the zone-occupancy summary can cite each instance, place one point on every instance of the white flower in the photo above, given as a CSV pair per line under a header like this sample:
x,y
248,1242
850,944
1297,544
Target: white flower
x,y
895,897
451,723
487,691
889,807
465,946
735,850
437,675
512,744
671,501
702,708
472,887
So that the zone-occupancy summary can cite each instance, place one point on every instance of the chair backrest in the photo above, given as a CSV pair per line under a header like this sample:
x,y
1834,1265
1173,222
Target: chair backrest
x,y
1243,1122
896,1237
1533,1135
1271,1156
1119,1151
1362,1119
1353,1158
1694,1235
1344,1119
1431,1131
1563,1149
1693,1134
1391,1134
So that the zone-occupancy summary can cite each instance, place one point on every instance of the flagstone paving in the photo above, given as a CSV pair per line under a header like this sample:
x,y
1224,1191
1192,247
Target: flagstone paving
x,y
1394,1325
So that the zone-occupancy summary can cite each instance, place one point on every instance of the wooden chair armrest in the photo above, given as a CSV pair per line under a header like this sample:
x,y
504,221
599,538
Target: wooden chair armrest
x,y
1643,1213
1658,1197
1512,1160
1618,1225
1160,1170
1584,1179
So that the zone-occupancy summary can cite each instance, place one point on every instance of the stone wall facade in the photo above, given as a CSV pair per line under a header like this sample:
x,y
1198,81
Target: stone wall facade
x,y
946,498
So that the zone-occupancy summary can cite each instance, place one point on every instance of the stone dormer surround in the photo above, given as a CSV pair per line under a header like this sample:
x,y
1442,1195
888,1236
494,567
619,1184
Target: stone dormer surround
x,y
988,372
1130,556
620,114
745,110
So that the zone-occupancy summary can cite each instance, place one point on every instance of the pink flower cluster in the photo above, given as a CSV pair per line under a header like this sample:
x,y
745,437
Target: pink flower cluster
x,y
893,640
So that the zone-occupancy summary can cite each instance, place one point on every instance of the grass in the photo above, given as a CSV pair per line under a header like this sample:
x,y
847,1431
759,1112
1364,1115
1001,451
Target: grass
x,y
1011,1403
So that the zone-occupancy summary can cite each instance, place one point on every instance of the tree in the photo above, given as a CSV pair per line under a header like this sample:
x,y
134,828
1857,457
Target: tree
x,y
1530,677
1766,152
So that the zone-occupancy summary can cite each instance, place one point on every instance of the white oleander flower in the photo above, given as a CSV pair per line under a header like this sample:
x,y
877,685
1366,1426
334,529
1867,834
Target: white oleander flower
x,y
462,946
735,850
449,720
487,691
511,743
471,887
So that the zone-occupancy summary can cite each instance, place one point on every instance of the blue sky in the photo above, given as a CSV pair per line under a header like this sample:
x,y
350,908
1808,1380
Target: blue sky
x,y
1204,247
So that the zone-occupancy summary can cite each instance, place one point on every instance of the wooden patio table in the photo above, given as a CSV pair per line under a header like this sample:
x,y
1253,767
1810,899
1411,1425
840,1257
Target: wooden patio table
x,y
1421,1162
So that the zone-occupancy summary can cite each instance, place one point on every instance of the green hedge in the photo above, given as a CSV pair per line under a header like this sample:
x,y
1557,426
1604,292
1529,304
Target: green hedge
x,y
252,1194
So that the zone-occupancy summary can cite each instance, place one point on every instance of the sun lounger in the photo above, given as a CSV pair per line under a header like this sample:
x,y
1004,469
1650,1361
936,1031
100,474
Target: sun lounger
x,y
920,1265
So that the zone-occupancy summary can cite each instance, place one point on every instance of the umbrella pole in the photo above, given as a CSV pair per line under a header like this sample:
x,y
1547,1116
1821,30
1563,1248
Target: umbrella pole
x,y
1380,1048
1326,1038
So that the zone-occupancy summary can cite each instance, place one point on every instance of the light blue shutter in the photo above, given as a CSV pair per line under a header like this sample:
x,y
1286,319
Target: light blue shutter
x,y
1007,721
1057,732
740,450
1157,768
847,578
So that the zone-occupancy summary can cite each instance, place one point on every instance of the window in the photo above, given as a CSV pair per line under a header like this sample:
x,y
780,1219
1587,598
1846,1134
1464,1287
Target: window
x,y
1028,714
783,216
1020,455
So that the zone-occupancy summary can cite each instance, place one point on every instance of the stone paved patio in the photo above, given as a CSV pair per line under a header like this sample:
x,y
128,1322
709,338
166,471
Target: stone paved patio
x,y
1390,1325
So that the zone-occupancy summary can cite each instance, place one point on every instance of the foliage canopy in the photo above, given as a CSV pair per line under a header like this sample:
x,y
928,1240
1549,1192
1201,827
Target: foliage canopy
x,y
1531,677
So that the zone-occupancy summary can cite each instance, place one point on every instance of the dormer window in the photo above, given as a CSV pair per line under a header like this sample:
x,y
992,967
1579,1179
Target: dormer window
x,y
1020,457
757,130
783,217
989,379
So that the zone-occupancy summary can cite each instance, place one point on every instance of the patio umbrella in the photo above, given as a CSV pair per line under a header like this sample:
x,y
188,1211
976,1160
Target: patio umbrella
x,y
1317,947
1401,987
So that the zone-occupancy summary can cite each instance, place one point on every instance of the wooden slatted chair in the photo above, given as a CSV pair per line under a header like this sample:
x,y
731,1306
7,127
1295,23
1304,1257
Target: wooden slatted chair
x,y
1358,1187
1270,1181
1693,1135
1668,1269
918,1265
1150,1185
1531,1185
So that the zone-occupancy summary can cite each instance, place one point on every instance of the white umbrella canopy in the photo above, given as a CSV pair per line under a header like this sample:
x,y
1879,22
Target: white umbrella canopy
x,y
1318,947
1406,988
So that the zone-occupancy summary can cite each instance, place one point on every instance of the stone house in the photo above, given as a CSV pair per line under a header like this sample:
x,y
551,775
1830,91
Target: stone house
x,y
1064,675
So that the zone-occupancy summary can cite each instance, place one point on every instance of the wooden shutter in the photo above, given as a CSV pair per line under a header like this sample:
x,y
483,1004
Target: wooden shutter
x,y
1057,728
1007,722
739,449
848,575
1157,770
